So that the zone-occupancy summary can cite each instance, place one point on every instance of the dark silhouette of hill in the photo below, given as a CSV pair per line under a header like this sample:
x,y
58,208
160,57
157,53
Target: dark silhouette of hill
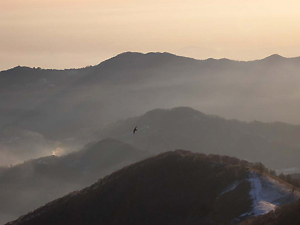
x,y
176,187
64,105
160,130
29,185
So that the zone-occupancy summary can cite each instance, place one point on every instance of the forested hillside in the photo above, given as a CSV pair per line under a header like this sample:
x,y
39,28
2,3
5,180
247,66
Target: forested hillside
x,y
32,184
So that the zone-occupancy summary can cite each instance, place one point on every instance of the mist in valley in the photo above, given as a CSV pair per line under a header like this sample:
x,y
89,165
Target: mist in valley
x,y
49,115
67,106
149,112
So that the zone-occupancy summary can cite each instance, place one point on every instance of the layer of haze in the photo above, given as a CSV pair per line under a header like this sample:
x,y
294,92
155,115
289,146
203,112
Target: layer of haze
x,y
67,34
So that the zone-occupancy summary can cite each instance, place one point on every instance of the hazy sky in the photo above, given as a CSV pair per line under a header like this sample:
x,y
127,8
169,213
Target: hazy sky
x,y
77,33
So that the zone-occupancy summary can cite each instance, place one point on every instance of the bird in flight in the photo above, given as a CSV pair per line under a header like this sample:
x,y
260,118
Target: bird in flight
x,y
135,130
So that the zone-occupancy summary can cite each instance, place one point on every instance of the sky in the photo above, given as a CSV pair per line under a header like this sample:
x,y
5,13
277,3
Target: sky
x,y
77,33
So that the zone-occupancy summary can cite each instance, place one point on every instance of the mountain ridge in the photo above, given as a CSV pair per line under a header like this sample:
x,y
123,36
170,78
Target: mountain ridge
x,y
47,178
135,54
160,130
175,187
131,184
64,105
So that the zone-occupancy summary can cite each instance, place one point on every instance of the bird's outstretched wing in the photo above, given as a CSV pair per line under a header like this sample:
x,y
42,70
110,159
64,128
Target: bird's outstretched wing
x,y
135,130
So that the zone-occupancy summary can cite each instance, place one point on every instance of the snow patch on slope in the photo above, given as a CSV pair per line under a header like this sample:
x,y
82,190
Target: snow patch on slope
x,y
268,193
261,198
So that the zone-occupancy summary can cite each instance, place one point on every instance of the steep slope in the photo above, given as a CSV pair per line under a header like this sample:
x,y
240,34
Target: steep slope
x,y
162,130
177,187
33,183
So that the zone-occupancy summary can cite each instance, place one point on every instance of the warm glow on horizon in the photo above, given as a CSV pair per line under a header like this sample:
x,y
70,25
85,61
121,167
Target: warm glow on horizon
x,y
58,151
76,33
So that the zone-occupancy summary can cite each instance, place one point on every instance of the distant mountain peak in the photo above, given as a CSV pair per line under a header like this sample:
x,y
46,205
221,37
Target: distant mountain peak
x,y
274,58
177,111
144,54
18,69
148,55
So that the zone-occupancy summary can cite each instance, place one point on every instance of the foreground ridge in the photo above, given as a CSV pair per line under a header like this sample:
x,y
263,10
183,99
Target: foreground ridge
x,y
177,187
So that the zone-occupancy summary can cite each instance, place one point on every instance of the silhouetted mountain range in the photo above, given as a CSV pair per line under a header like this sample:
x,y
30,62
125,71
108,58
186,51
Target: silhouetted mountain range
x,y
29,185
44,111
185,128
63,104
